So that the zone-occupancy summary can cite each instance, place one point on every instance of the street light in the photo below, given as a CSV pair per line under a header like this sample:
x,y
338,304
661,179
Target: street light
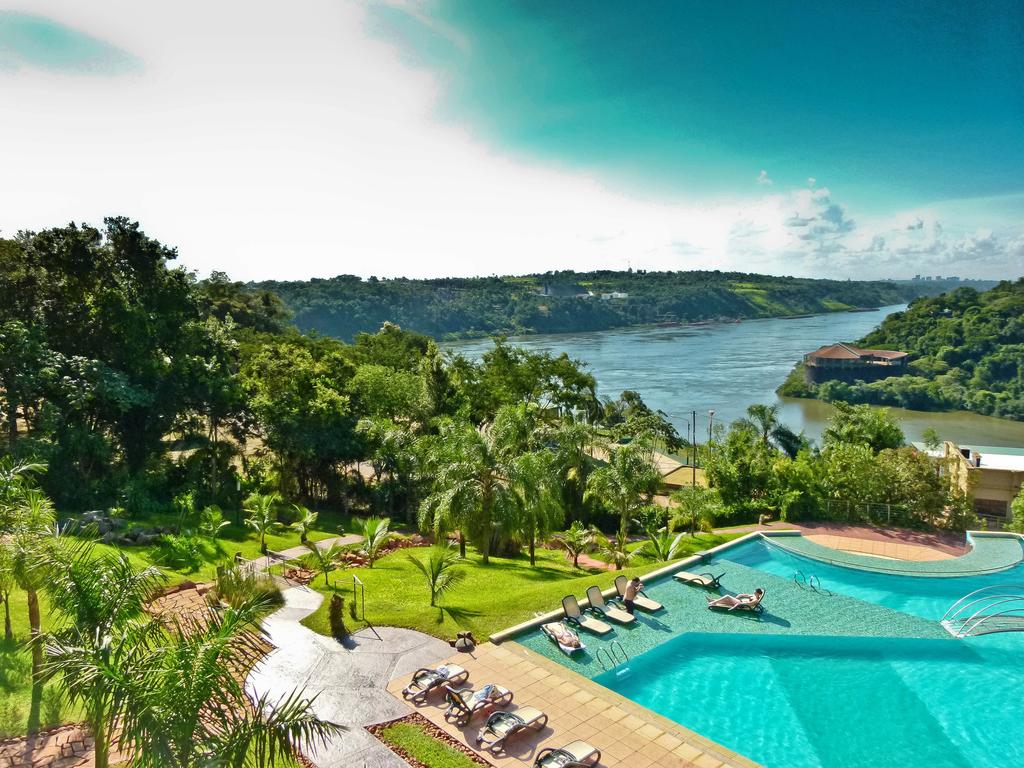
x,y
711,421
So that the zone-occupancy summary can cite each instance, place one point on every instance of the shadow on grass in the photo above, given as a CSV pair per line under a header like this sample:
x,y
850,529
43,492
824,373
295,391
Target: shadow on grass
x,y
460,616
15,667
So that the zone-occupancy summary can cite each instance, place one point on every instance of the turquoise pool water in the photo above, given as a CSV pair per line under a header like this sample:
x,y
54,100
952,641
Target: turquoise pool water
x,y
829,702
926,597
859,674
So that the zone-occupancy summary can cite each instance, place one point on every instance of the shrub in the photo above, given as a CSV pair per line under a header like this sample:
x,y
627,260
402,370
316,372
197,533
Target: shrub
x,y
180,552
336,616
237,585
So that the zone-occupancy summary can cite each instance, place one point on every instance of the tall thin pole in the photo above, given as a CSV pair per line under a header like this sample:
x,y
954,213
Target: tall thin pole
x,y
693,445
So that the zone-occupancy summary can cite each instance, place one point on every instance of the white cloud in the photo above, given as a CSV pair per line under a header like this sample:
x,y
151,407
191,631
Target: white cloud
x,y
290,145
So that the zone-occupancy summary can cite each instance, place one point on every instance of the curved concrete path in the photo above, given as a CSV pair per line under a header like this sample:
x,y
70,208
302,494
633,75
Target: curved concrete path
x,y
349,680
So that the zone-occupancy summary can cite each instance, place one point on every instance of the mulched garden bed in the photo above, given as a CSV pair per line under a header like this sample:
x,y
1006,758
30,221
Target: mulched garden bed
x,y
431,730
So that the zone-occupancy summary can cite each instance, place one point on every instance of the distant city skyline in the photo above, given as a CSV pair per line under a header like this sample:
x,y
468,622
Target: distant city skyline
x,y
429,139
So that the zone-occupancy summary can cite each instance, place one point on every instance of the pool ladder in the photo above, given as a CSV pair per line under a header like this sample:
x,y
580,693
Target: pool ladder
x,y
612,653
811,582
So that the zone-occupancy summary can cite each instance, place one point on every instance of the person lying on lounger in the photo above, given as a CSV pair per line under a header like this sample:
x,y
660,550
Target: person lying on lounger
x,y
740,601
563,635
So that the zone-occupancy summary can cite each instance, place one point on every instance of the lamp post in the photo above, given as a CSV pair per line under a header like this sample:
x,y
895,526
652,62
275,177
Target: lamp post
x,y
711,422
693,446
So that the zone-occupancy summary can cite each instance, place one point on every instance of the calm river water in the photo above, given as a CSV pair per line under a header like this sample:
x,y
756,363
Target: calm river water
x,y
726,367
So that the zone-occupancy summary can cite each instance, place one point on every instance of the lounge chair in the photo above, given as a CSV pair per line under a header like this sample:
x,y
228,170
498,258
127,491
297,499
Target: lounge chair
x,y
556,632
574,615
612,612
463,703
706,580
751,606
578,754
641,601
503,725
425,680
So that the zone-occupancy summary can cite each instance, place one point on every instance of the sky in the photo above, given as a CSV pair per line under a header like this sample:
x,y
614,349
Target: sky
x,y
313,138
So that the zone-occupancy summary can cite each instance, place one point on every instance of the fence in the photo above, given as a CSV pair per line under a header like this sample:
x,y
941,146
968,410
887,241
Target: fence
x,y
869,513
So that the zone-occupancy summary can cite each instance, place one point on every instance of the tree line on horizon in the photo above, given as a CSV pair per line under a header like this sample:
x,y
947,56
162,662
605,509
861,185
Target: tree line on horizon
x,y
561,302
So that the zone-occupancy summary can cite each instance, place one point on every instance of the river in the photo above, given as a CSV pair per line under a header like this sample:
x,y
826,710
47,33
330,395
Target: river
x,y
725,367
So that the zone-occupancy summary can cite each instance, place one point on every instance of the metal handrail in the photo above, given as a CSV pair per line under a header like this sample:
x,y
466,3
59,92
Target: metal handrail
x,y
979,618
958,605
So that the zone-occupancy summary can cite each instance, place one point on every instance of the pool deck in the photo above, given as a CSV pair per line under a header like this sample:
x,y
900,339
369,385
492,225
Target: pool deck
x,y
988,552
628,735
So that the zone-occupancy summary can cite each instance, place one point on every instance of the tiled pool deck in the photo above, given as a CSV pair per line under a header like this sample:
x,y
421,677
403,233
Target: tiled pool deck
x,y
628,735
990,552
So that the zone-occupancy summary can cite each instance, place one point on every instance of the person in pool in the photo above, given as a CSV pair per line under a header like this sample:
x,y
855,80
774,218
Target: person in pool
x,y
632,589
735,601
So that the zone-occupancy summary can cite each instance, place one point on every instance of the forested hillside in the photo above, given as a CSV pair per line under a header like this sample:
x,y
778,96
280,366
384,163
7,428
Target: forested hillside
x,y
563,302
967,353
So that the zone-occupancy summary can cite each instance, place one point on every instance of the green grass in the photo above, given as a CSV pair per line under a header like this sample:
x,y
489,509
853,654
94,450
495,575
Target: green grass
x,y
15,665
234,538
424,747
687,547
490,598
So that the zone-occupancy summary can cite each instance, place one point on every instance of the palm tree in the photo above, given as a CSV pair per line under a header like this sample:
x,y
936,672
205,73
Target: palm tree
x,y
764,419
7,585
624,482
539,511
262,509
661,546
576,541
185,704
473,479
616,550
695,509
322,560
306,519
439,570
376,532
32,521
98,598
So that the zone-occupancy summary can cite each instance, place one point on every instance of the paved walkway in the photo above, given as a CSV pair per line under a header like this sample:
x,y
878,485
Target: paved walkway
x,y
952,544
349,680
292,553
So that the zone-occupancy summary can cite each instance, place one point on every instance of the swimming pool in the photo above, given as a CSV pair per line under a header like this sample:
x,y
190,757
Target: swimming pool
x,y
829,702
858,673
929,598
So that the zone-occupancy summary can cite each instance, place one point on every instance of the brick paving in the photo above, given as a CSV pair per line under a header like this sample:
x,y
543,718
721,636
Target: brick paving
x,y
628,735
69,746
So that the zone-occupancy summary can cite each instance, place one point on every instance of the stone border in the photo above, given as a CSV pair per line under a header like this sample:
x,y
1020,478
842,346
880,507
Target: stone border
x,y
415,718
699,557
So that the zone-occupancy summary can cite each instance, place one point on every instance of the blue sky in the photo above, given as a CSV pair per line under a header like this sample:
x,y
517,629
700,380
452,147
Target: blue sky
x,y
882,97
862,139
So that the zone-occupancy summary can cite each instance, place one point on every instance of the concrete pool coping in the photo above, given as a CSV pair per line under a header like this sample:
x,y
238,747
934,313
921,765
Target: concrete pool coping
x,y
834,556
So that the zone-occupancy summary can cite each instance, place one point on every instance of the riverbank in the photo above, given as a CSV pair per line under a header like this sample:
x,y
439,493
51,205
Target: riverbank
x,y
724,367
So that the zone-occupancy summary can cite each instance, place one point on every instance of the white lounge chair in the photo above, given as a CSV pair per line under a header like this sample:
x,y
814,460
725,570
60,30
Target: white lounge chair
x,y
577,754
641,601
425,680
612,612
574,615
706,580
556,632
503,725
465,702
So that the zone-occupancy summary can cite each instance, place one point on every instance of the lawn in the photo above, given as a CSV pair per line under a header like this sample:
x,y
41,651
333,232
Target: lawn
x,y
420,745
15,665
235,538
490,598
